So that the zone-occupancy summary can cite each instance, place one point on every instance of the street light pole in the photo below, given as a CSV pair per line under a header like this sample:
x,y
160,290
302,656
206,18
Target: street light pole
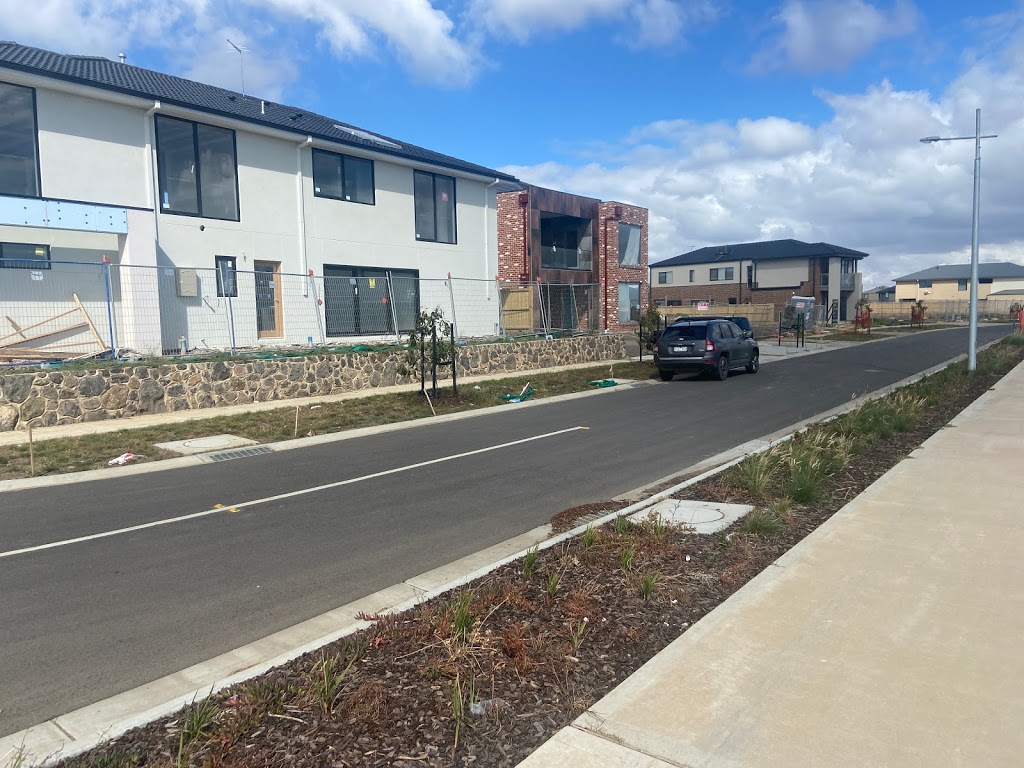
x,y
972,343
972,338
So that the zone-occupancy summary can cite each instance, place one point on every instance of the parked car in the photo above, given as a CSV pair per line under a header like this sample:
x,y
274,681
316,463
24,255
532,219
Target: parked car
x,y
705,346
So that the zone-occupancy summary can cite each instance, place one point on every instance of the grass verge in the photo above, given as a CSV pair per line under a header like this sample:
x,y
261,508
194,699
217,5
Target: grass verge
x,y
93,451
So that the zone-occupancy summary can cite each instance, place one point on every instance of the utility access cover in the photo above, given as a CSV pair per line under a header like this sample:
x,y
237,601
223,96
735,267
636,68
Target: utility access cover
x,y
702,516
206,444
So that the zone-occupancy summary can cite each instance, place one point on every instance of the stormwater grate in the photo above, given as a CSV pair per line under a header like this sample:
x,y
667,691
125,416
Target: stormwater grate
x,y
240,453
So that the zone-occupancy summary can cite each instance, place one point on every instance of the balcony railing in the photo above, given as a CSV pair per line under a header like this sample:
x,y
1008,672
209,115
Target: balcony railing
x,y
61,214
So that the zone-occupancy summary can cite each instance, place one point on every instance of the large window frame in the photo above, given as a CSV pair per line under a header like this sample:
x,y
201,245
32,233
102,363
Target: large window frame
x,y
433,203
664,278
343,160
722,274
373,290
197,171
628,256
38,261
632,310
38,180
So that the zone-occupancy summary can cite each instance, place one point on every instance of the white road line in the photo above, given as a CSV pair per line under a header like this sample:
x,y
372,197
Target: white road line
x,y
291,494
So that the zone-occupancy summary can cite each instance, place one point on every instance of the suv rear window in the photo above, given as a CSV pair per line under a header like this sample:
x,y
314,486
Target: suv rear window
x,y
685,332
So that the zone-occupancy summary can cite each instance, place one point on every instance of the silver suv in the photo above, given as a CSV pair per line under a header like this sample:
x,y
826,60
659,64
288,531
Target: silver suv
x,y
705,346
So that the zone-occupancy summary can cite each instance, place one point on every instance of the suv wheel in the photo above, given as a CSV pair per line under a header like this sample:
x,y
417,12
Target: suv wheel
x,y
722,368
754,364
665,375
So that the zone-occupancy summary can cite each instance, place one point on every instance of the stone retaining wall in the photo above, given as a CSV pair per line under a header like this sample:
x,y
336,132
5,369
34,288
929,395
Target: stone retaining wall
x,y
54,397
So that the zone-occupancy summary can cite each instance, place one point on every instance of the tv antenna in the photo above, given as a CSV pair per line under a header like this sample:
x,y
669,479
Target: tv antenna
x,y
241,61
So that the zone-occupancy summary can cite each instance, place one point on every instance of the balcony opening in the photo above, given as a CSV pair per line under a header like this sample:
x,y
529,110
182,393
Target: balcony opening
x,y
566,242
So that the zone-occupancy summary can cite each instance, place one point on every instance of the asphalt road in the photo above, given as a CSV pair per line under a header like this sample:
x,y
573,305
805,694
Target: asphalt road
x,y
82,622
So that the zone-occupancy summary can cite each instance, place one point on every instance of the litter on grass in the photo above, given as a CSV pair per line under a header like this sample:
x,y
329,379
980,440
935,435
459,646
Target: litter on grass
x,y
603,383
526,394
124,458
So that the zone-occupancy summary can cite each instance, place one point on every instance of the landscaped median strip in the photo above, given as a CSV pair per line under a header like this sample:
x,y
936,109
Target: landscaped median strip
x,y
490,673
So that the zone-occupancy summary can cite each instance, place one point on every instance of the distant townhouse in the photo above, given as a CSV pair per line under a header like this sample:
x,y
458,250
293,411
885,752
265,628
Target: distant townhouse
x,y
768,272
101,160
882,294
953,281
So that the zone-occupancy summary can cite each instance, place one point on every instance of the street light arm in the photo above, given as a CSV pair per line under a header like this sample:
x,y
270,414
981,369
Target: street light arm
x,y
934,139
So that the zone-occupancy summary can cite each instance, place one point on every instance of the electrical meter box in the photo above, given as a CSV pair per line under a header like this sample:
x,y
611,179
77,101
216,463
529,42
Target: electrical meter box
x,y
188,283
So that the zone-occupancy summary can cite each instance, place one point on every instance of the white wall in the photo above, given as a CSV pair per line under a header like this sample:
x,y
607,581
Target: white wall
x,y
91,150
783,273
1006,284
701,274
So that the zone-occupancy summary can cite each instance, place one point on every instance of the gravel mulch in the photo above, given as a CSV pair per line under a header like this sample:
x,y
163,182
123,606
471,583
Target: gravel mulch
x,y
484,676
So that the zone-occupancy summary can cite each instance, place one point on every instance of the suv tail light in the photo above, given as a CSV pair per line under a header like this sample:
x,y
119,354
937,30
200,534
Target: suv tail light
x,y
709,347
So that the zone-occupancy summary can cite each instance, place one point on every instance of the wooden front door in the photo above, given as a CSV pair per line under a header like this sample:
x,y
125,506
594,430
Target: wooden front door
x,y
269,313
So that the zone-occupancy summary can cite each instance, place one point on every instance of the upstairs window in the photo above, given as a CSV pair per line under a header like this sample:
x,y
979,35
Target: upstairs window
x,y
19,156
435,207
664,278
961,285
924,283
693,275
342,177
197,169
722,273
629,244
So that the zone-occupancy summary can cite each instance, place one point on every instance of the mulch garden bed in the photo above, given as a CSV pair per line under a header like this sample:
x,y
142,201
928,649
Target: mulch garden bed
x,y
486,675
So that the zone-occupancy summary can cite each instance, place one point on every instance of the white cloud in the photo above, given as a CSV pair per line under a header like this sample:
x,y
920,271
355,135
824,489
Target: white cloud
x,y
652,22
191,34
861,179
829,35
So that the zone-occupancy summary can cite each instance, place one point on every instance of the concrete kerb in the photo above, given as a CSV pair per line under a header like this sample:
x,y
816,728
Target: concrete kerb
x,y
55,740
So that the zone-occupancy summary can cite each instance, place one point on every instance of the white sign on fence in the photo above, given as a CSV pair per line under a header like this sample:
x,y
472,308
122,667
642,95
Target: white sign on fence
x,y
703,306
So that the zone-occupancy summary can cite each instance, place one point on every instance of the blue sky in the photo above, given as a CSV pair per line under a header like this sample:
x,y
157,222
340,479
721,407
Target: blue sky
x,y
730,120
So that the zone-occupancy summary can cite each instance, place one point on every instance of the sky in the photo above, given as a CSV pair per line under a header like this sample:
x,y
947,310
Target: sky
x,y
731,120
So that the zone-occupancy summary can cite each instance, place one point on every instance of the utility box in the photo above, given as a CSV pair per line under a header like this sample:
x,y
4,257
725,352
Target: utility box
x,y
803,305
188,283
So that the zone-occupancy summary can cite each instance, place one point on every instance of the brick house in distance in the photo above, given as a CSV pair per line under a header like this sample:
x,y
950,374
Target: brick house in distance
x,y
768,272
561,241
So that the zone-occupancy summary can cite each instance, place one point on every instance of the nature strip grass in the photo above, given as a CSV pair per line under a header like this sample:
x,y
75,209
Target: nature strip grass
x,y
488,673
94,451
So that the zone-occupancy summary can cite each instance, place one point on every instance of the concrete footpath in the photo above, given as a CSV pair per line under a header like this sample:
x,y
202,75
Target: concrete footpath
x,y
891,636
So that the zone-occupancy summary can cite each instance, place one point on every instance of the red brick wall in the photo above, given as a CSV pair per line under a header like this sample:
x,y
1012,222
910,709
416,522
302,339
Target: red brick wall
x,y
608,253
510,237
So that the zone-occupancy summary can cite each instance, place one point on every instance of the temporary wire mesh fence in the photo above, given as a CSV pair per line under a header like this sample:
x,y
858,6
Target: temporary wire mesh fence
x,y
63,310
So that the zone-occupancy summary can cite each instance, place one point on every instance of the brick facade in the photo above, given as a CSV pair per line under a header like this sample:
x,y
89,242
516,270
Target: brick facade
x,y
519,222
609,252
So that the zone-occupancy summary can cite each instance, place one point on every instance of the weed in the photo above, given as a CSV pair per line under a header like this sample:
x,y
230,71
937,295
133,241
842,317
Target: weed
x,y
621,524
807,473
115,760
328,676
530,561
576,634
464,619
647,585
198,718
658,527
626,558
458,705
761,522
755,474
19,759
552,586
589,536
781,508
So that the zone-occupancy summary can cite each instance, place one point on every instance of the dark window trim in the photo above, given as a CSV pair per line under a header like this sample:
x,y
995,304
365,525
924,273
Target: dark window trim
x,y
433,197
725,278
35,143
199,176
666,274
693,275
5,262
924,283
342,157
221,293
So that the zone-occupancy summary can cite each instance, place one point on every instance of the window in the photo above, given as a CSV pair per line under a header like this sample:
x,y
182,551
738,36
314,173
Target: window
x,y
961,285
566,242
19,160
732,300
341,177
435,207
24,256
629,302
722,273
698,332
693,275
750,276
924,283
368,301
629,244
664,278
984,281
227,280
197,169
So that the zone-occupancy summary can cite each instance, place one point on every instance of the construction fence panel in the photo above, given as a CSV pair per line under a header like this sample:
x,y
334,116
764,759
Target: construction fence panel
x,y
539,307
476,306
55,309
945,311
